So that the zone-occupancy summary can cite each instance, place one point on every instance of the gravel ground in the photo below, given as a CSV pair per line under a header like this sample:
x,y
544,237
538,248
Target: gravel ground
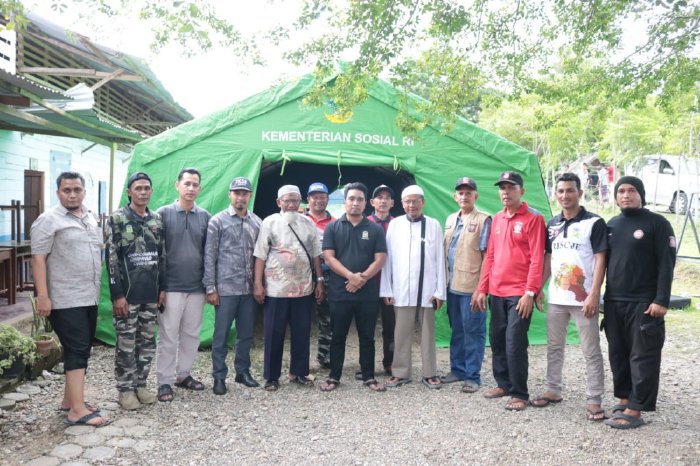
x,y
407,425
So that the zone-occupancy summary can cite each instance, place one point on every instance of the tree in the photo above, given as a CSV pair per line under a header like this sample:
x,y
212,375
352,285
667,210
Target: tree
x,y
448,49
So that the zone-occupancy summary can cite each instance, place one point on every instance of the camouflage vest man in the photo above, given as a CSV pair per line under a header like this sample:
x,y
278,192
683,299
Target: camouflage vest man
x,y
135,257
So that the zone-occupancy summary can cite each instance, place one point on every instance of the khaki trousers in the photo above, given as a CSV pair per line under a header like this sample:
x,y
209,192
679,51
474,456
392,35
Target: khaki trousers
x,y
178,335
406,318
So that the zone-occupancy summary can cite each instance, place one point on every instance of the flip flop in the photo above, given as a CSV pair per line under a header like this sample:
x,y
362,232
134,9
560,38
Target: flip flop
x,y
430,382
595,415
330,385
516,404
632,422
543,401
88,405
85,421
373,385
394,382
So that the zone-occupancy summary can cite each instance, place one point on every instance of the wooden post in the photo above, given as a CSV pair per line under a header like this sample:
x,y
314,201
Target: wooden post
x,y
112,155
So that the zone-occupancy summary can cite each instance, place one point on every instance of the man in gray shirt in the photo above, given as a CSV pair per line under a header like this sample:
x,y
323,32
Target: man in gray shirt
x,y
185,227
66,261
228,279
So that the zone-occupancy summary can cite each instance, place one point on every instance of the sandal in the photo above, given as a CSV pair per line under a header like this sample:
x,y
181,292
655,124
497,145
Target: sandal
x,y
432,383
595,415
516,404
330,385
619,408
495,392
271,385
165,393
373,385
394,382
190,384
632,421
544,401
85,421
90,407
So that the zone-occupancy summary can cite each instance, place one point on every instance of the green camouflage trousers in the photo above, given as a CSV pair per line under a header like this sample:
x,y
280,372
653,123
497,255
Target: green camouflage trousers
x,y
136,346
324,332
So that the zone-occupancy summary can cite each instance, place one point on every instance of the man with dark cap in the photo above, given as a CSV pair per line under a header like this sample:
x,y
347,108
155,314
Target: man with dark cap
x,y
512,275
228,279
641,259
317,200
382,201
135,259
466,238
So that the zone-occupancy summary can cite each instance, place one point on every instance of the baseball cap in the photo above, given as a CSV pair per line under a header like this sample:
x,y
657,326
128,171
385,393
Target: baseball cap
x,y
317,187
380,188
240,183
138,176
510,177
465,181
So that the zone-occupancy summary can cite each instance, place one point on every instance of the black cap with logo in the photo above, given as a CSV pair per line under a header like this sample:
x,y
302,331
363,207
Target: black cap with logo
x,y
510,177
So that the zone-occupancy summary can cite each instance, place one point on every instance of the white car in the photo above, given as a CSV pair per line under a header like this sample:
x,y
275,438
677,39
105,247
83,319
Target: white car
x,y
669,180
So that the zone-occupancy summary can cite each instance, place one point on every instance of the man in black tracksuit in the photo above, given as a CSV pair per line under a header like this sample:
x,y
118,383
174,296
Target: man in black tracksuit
x,y
641,258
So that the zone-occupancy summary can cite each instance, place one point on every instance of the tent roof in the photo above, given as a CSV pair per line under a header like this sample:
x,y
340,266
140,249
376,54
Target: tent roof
x,y
201,128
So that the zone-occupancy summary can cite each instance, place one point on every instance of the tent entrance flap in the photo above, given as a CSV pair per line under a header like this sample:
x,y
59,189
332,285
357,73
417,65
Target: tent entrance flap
x,y
303,174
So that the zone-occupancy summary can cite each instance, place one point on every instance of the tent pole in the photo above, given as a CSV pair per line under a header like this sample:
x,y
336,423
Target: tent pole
x,y
112,153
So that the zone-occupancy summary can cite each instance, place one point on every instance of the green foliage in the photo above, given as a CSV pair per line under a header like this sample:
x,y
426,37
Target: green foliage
x,y
13,346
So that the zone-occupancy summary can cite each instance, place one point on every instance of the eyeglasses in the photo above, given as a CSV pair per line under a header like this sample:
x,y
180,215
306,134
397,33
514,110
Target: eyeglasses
x,y
290,201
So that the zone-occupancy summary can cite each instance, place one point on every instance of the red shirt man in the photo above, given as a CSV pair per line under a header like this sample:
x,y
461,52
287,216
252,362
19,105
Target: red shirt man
x,y
512,275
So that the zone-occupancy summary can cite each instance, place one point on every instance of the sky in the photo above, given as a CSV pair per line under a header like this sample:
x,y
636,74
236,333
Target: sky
x,y
206,82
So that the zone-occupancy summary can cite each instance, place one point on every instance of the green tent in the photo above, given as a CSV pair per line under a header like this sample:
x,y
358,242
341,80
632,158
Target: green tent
x,y
274,139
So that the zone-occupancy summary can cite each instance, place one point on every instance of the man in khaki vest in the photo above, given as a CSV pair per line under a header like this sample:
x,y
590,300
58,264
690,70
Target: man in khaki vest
x,y
466,236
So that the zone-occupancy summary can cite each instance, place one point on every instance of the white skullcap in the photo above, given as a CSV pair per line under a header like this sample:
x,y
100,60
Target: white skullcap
x,y
410,190
287,189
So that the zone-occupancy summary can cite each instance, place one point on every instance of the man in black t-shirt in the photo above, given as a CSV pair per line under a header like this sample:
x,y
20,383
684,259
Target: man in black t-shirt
x,y
642,254
355,249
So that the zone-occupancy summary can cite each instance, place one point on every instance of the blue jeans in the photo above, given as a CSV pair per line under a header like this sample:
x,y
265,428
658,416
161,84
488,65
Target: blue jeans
x,y
242,310
468,341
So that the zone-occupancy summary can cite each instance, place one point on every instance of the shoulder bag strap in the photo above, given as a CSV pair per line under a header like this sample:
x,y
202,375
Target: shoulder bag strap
x,y
422,264
308,256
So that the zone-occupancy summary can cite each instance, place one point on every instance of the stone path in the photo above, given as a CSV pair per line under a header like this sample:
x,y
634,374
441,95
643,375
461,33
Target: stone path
x,y
84,445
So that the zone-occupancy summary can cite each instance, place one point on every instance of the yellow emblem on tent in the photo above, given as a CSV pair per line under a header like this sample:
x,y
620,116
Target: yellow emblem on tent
x,y
339,117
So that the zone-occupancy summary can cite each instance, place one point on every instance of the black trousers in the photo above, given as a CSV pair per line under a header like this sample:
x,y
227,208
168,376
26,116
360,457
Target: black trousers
x,y
365,314
388,324
509,343
75,328
635,341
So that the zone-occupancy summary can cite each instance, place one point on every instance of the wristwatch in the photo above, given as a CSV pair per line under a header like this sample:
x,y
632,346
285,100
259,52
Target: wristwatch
x,y
530,293
320,279
211,289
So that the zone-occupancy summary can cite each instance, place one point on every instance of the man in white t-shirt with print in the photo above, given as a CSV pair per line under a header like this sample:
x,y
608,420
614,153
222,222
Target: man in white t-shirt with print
x,y
575,259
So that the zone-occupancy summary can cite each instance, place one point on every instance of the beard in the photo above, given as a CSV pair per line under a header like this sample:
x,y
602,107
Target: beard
x,y
290,217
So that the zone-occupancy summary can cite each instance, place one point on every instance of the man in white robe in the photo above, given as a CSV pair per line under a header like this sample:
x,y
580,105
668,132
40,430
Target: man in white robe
x,y
413,281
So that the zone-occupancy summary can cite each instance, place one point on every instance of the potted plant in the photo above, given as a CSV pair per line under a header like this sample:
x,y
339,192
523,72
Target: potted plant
x,y
42,332
16,352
